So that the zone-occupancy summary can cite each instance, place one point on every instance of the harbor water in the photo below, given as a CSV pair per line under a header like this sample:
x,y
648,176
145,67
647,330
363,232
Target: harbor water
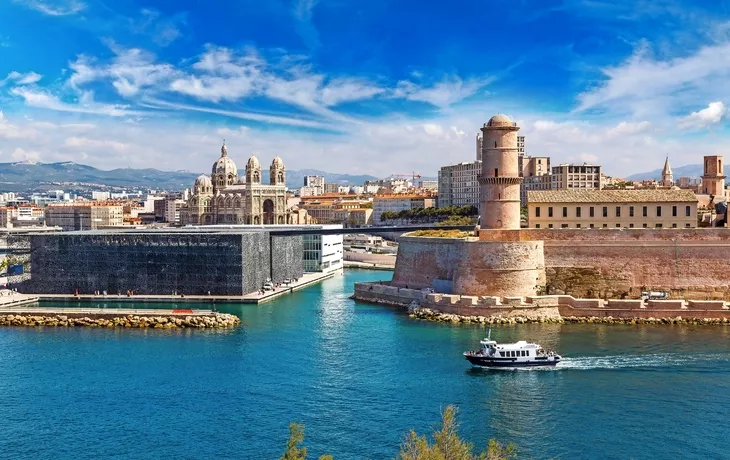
x,y
359,376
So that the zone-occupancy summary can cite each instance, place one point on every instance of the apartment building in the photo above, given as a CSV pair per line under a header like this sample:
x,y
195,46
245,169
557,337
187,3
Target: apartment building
x,y
536,174
659,208
397,203
84,216
458,184
570,176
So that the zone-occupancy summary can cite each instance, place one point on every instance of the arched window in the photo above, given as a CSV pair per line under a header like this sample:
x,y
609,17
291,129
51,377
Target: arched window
x,y
256,177
281,177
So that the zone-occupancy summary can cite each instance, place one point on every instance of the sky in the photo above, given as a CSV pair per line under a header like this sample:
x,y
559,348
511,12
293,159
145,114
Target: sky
x,y
375,87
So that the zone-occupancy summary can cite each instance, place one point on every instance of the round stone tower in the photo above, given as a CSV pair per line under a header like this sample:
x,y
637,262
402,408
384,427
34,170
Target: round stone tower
x,y
500,180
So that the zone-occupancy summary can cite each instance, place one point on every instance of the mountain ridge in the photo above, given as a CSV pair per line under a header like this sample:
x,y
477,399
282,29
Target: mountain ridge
x,y
23,175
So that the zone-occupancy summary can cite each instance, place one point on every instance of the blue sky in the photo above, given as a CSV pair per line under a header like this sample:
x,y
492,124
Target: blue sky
x,y
377,87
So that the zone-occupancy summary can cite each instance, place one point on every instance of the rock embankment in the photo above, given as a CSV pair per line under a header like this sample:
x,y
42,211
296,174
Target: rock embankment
x,y
435,315
220,320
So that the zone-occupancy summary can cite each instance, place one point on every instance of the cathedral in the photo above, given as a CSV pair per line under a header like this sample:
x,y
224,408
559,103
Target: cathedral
x,y
224,199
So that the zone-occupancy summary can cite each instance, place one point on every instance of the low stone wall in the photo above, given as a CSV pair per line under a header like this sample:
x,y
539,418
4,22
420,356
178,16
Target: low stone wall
x,y
222,320
538,308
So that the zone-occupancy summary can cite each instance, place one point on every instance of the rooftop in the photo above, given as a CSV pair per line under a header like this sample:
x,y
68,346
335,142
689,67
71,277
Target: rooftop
x,y
611,196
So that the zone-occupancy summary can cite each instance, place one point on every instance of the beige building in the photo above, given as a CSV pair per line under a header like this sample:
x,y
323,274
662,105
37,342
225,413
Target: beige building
x,y
397,203
659,208
570,176
535,172
84,216
458,184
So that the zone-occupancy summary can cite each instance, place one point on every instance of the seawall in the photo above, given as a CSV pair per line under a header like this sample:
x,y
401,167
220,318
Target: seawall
x,y
71,319
537,308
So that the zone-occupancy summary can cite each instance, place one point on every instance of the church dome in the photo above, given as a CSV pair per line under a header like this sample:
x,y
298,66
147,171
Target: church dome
x,y
224,165
278,163
500,120
253,163
203,181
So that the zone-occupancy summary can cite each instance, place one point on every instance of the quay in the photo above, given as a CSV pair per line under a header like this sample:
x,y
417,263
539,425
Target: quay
x,y
305,280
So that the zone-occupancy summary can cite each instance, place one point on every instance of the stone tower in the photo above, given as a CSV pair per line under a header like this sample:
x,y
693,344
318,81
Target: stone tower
x,y
253,171
277,172
500,179
667,176
713,180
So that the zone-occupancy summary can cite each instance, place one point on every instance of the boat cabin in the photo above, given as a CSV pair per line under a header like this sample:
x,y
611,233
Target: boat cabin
x,y
519,349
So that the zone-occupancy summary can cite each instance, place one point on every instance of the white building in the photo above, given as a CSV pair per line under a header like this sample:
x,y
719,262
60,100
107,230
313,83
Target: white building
x,y
314,186
100,196
323,253
458,184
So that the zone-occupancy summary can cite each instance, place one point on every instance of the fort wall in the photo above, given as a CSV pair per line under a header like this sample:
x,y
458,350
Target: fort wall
x,y
589,263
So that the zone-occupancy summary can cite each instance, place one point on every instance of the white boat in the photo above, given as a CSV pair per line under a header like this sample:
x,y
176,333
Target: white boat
x,y
518,354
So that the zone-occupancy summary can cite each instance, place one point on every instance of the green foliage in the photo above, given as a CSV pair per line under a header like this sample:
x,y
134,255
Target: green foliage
x,y
440,233
293,451
448,445
460,220
432,214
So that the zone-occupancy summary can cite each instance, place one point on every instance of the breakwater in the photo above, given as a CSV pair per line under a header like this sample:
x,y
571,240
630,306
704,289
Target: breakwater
x,y
213,321
553,308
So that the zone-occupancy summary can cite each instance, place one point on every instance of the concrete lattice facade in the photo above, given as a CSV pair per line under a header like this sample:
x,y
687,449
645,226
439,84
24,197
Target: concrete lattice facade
x,y
224,263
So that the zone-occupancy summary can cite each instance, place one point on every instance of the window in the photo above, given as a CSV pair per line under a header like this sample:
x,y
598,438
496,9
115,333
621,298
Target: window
x,y
590,211
631,225
631,211
563,225
550,211
645,211
605,225
550,225
687,225
577,226
605,211
537,225
674,211
565,211
674,225
496,172
687,211
645,226
592,226
658,225
658,211
578,211
618,211
618,225
537,211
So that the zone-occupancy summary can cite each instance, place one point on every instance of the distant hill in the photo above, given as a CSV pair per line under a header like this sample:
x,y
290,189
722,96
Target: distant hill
x,y
26,175
681,171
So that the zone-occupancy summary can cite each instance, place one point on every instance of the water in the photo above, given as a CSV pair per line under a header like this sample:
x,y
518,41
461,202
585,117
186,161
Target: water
x,y
359,377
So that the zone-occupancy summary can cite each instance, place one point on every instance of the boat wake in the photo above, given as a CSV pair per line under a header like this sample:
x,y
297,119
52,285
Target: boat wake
x,y
648,360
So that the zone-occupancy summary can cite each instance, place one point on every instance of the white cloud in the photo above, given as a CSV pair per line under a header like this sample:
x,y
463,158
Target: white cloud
x,y
84,143
18,78
645,86
628,128
348,89
20,154
163,30
9,131
45,100
443,94
54,7
711,115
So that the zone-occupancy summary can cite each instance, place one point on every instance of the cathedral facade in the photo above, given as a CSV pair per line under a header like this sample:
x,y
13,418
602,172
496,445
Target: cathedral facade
x,y
223,198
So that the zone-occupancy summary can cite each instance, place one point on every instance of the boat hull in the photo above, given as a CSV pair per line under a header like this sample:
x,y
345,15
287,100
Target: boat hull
x,y
492,362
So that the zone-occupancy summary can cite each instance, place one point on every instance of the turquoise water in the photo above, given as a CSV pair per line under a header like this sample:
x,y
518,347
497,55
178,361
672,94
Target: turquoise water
x,y
359,376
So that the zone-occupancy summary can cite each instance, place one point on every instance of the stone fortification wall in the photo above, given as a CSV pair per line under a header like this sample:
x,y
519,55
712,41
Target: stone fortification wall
x,y
473,267
586,263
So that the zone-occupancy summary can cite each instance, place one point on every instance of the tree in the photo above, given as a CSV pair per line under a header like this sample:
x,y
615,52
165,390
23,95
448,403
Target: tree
x,y
448,445
296,437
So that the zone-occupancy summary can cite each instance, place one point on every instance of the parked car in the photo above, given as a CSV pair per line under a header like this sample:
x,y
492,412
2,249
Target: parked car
x,y
268,286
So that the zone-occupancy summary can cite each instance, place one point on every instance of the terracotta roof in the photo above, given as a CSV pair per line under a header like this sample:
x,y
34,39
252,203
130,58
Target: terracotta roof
x,y
611,196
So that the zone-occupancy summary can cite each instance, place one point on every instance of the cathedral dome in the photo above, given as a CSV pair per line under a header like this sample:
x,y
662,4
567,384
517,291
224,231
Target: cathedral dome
x,y
253,163
203,181
500,120
224,165
278,163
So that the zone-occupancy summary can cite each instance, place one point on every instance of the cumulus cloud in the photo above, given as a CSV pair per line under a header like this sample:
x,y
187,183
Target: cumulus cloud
x,y
711,115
